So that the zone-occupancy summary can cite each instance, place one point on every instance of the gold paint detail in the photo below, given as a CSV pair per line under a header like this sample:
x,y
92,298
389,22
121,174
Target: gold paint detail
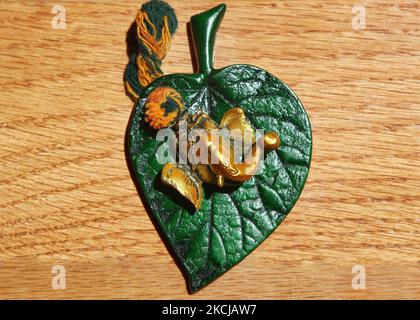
x,y
220,181
146,71
222,169
235,119
157,47
271,141
185,181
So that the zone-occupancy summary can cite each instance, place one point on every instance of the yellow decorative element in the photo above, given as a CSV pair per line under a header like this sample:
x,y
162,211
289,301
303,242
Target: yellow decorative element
x,y
146,71
271,141
235,120
157,47
220,181
222,169
182,179
158,115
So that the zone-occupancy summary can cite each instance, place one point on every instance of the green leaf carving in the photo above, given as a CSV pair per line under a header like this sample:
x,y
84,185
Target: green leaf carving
x,y
234,221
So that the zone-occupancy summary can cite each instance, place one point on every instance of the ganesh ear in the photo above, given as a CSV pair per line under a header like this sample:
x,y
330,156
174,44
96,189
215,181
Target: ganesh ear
x,y
185,181
235,119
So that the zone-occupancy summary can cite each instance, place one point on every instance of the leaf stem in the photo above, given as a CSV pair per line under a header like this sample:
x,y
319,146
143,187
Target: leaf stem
x,y
204,27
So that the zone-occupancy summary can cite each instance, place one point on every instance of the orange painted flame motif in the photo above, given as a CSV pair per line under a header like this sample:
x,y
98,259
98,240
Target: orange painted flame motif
x,y
158,114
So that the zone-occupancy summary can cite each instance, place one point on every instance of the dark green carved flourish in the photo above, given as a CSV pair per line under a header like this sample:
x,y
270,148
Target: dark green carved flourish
x,y
231,222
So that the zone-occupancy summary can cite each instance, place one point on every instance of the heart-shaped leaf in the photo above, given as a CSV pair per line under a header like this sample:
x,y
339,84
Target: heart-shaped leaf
x,y
231,222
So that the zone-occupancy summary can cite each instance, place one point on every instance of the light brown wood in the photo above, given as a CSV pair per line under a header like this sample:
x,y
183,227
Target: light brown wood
x,y
66,196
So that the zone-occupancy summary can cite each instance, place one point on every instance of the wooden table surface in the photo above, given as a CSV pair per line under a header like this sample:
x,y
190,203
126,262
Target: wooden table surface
x,y
66,196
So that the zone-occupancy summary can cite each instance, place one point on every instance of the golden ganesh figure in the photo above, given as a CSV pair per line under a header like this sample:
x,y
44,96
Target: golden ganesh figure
x,y
220,167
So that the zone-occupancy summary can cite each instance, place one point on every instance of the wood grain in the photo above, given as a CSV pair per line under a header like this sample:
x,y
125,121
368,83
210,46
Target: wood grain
x,y
66,196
